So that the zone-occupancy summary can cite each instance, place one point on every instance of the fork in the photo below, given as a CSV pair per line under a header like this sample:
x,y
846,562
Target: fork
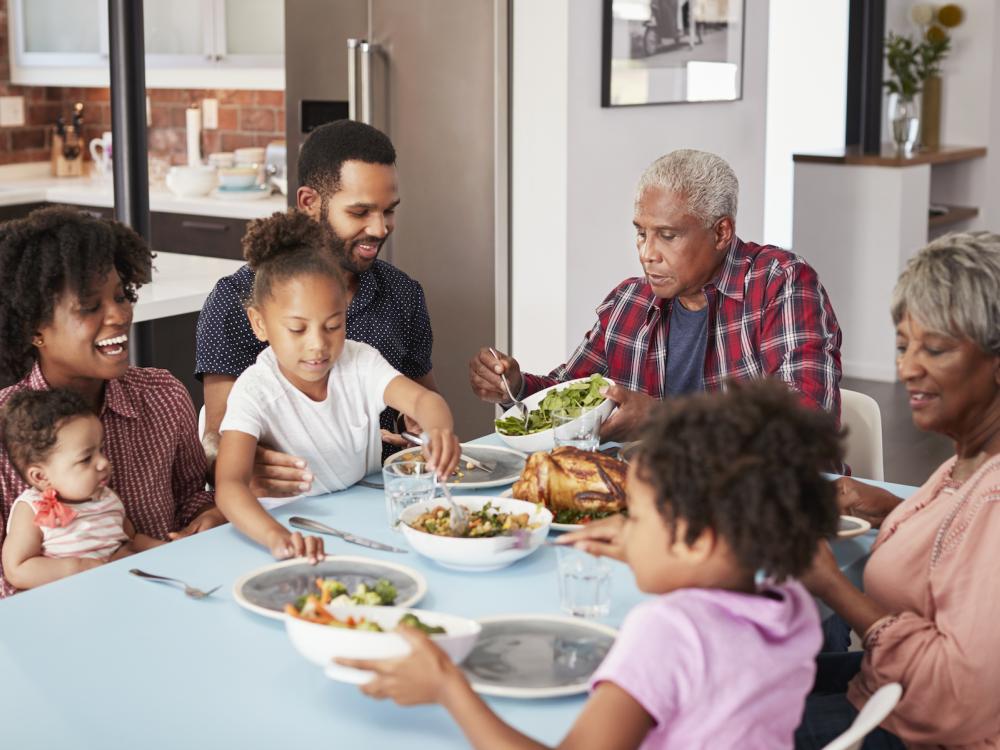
x,y
503,378
458,518
189,590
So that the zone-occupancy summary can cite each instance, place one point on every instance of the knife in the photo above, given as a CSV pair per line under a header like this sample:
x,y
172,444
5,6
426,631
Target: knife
x,y
309,525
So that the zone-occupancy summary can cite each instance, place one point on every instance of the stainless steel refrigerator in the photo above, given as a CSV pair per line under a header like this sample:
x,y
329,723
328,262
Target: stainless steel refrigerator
x,y
433,75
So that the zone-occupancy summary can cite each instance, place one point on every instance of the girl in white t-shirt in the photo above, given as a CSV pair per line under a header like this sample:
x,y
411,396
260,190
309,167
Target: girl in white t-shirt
x,y
68,520
312,393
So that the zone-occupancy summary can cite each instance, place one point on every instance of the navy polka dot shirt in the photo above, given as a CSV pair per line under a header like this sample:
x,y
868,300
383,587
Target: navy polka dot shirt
x,y
388,312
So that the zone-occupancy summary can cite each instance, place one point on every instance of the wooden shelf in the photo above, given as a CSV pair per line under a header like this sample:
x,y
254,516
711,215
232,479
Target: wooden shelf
x,y
954,215
889,157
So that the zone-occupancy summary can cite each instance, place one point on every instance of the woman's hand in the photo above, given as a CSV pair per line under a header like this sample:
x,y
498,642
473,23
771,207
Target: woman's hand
x,y
423,676
285,544
865,501
204,521
442,452
277,474
824,574
602,538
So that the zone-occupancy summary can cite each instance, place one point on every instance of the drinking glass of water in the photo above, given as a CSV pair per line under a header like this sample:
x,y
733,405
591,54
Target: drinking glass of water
x,y
578,427
406,483
584,583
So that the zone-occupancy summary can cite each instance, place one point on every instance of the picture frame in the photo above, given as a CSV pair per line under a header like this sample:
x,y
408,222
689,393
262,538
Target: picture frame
x,y
671,51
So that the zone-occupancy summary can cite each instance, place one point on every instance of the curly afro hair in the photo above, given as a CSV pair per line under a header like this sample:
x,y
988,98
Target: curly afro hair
x,y
327,148
748,464
288,244
48,253
32,419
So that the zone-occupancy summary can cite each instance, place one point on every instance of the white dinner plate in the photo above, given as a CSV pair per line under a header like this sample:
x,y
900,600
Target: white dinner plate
x,y
508,469
536,656
267,590
850,526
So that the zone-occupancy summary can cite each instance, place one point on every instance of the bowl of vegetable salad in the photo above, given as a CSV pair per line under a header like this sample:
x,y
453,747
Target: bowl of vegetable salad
x,y
582,393
323,632
501,531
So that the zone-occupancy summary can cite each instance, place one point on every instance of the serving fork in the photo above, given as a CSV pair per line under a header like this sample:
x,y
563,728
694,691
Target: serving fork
x,y
189,590
503,378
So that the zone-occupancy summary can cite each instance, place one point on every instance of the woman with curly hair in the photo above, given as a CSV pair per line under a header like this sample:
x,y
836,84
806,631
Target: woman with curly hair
x,y
69,284
726,503
929,611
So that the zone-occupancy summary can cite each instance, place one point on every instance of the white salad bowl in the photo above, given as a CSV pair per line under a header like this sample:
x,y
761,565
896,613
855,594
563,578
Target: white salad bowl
x,y
191,181
544,440
481,553
321,644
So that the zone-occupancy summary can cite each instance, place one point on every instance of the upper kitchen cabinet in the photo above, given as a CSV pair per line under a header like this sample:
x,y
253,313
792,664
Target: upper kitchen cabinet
x,y
189,43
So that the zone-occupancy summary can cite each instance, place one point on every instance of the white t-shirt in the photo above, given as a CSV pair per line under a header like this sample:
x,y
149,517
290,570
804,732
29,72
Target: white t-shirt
x,y
338,437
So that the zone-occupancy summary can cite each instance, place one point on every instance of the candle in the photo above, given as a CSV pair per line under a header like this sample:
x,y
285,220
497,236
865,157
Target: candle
x,y
193,123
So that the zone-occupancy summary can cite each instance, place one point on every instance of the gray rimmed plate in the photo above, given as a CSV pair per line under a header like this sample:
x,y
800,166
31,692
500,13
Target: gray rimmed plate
x,y
509,465
267,590
536,656
849,526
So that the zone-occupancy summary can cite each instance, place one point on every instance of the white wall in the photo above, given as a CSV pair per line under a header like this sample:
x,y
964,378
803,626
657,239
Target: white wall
x,y
581,218
806,97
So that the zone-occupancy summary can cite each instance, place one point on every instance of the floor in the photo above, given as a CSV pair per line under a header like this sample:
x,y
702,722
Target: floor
x,y
910,456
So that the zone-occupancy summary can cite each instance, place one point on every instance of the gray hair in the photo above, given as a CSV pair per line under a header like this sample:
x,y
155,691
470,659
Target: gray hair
x,y
705,180
952,287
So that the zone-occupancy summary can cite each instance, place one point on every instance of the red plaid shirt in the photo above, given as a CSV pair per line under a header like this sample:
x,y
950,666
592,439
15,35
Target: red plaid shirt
x,y
158,466
767,315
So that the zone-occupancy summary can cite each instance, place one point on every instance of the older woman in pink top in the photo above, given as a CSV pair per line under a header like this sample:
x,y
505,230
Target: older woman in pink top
x,y
930,614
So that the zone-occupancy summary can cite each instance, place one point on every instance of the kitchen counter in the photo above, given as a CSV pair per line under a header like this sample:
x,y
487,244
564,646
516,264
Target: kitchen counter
x,y
180,285
29,184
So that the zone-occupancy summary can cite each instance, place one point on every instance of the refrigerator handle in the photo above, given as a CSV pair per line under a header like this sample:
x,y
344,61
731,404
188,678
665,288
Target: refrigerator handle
x,y
367,90
352,78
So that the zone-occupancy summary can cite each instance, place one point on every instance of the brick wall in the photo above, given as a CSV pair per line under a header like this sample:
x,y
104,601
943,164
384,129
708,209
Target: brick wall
x,y
246,118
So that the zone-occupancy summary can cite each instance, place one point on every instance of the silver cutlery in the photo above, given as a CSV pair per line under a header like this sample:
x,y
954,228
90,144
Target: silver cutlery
x,y
307,524
189,590
371,485
503,378
458,518
487,466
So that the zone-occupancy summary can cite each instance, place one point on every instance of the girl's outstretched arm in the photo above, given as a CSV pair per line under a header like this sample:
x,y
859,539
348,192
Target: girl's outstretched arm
x,y
432,413
611,719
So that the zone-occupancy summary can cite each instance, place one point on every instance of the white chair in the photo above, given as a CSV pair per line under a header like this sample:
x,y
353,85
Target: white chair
x,y
861,416
875,710
201,423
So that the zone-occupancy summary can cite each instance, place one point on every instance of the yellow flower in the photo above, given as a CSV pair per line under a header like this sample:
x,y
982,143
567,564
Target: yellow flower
x,y
950,15
936,34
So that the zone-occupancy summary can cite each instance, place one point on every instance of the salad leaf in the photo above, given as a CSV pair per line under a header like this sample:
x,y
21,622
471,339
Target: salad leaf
x,y
575,397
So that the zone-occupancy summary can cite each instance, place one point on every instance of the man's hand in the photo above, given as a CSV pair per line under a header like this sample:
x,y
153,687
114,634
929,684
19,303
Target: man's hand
x,y
633,410
485,372
421,677
205,520
409,425
865,501
278,474
602,538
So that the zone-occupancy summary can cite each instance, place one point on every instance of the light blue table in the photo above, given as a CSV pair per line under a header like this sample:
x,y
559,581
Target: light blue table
x,y
105,660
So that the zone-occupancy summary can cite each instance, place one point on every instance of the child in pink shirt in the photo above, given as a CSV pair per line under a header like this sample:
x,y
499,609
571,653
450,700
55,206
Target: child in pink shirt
x,y
69,520
726,502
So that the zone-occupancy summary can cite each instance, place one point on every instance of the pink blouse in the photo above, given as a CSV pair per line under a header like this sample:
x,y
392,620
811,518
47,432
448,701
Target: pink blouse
x,y
158,467
936,567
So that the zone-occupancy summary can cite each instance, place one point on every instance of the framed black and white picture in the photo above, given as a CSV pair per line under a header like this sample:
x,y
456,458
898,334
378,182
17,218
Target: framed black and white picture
x,y
669,51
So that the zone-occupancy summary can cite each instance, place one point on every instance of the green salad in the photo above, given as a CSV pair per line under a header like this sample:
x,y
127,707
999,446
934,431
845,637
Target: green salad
x,y
578,396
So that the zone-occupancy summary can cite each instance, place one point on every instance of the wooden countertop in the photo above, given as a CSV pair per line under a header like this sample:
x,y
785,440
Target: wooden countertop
x,y
852,155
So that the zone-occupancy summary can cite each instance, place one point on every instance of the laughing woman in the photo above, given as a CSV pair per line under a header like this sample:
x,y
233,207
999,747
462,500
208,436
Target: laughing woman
x,y
931,600
69,284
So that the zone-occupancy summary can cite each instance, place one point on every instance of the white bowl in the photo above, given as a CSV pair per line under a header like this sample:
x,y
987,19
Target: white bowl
x,y
483,553
320,644
190,181
544,440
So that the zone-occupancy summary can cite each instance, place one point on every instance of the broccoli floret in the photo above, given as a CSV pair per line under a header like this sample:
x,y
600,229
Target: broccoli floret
x,y
413,621
386,591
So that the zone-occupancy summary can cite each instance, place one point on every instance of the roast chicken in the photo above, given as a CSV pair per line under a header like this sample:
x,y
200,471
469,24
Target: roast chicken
x,y
571,479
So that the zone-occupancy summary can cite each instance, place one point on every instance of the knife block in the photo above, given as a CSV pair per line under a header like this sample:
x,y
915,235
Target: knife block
x,y
67,154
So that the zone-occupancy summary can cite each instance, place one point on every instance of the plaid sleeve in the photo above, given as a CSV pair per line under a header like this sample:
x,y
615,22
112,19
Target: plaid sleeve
x,y
589,357
190,467
800,336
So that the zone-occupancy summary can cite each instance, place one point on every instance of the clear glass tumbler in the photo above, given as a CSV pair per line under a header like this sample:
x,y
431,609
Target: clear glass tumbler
x,y
584,583
578,427
406,483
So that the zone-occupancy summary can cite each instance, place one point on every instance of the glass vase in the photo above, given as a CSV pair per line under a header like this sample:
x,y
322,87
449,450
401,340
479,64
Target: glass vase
x,y
904,123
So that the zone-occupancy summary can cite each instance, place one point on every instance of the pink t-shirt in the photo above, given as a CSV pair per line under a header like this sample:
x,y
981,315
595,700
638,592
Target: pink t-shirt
x,y
718,668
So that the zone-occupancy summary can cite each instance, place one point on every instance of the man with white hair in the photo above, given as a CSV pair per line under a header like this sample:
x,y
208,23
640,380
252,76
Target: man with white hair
x,y
710,307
